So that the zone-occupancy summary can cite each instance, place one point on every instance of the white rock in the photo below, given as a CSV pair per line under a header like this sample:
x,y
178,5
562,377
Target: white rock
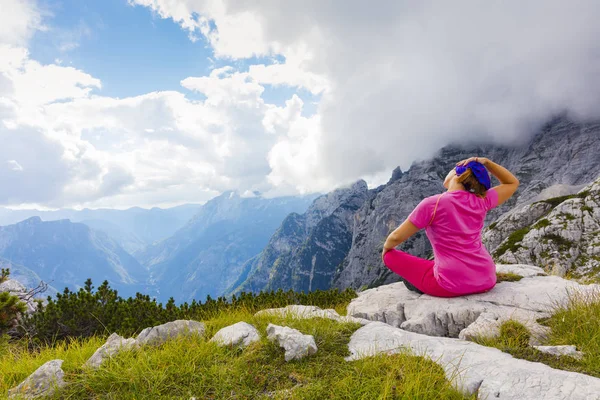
x,y
296,344
523,270
113,345
43,382
488,324
383,303
12,286
568,350
525,301
354,320
307,312
300,312
240,334
474,368
159,334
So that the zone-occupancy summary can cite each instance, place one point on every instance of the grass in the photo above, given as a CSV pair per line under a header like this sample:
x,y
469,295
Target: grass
x,y
542,223
563,244
507,277
577,323
512,243
555,201
194,367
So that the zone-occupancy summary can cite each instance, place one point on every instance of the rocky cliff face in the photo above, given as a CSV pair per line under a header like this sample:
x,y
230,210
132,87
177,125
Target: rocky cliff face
x,y
304,252
562,153
561,234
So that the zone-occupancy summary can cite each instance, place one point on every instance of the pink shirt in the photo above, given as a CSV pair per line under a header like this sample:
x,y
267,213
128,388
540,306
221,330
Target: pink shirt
x,y
462,263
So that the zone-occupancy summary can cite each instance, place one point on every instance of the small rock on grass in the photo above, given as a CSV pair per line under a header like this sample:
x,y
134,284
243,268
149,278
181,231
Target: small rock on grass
x,y
296,344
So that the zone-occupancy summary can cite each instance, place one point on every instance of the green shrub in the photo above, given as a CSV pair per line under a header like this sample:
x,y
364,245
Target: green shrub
x,y
4,275
555,201
512,243
563,244
87,312
542,223
10,307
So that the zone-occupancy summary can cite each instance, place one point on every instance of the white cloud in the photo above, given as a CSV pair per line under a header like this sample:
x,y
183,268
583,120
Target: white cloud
x,y
153,149
396,82
18,20
404,78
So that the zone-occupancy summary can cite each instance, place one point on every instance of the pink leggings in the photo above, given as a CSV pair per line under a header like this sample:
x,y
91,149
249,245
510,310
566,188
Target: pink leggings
x,y
417,271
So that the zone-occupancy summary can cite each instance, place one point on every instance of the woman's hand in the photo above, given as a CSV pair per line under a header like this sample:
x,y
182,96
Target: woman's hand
x,y
481,160
383,254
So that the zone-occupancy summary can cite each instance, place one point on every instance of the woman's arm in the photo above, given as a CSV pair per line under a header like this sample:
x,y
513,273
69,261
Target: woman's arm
x,y
508,182
399,235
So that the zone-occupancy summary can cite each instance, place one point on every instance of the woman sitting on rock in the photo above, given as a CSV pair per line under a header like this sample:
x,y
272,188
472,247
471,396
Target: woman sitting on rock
x,y
453,222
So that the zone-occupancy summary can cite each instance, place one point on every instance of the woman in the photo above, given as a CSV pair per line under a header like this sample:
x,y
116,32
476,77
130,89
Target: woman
x,y
453,222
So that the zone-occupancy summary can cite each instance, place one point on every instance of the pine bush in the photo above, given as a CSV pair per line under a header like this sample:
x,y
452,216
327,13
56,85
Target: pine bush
x,y
10,306
87,312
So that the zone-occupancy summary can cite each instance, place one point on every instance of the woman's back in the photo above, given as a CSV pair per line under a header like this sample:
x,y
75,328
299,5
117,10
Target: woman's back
x,y
462,263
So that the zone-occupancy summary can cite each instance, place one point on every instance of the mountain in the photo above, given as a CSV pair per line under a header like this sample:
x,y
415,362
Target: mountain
x,y
65,254
561,158
305,251
133,229
561,234
207,255
561,153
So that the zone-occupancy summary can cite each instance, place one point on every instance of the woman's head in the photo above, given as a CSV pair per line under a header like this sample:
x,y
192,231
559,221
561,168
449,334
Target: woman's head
x,y
470,182
473,177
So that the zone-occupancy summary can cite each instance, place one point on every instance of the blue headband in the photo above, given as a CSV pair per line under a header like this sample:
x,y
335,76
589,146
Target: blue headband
x,y
479,170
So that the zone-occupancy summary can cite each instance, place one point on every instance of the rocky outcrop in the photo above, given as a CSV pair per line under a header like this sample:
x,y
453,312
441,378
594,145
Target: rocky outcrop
x,y
114,344
527,300
296,344
561,233
305,251
157,335
241,334
43,382
562,153
15,288
477,369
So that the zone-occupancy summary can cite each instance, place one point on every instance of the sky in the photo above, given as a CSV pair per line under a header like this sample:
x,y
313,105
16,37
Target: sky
x,y
120,103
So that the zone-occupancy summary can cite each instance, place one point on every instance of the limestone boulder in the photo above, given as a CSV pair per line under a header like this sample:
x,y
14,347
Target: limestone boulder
x,y
43,382
472,368
157,335
307,312
568,350
113,345
296,344
526,301
240,334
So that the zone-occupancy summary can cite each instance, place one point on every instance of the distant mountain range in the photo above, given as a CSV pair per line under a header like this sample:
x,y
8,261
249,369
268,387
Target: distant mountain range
x,y
133,229
233,244
65,254
207,255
